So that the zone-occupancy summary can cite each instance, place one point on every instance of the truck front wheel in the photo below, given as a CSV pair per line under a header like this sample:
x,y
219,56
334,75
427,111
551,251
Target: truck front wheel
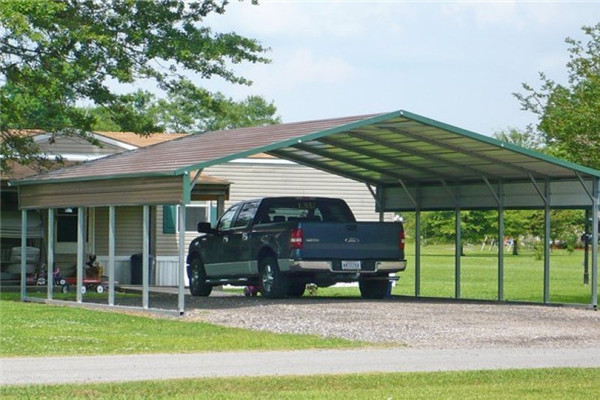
x,y
197,275
373,289
273,284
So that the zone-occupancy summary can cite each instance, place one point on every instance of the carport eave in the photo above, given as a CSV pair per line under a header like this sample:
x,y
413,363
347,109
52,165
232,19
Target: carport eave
x,y
25,182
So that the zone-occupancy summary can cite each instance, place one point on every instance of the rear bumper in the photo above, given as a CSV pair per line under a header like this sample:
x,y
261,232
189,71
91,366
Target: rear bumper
x,y
322,266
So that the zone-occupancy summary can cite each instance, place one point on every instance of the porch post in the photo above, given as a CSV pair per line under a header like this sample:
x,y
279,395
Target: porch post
x,y
23,254
145,257
111,255
220,206
80,250
50,258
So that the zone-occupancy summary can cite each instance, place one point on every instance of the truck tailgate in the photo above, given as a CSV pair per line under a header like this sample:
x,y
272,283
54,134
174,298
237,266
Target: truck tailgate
x,y
351,241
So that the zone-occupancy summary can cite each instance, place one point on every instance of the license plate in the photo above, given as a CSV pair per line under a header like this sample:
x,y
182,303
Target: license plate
x,y
350,265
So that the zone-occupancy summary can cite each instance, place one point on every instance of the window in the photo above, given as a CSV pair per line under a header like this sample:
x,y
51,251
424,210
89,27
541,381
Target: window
x,y
328,210
66,225
246,215
227,218
194,213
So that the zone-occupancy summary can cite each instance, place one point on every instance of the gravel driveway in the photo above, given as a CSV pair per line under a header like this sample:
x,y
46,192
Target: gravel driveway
x,y
414,323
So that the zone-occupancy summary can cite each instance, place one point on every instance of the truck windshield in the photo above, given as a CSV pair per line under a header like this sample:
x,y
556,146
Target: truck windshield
x,y
326,210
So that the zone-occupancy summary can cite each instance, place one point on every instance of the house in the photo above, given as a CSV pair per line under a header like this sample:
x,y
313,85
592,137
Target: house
x,y
257,176
72,151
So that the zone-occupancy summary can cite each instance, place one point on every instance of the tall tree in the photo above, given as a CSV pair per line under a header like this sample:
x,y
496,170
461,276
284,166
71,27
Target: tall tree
x,y
526,139
59,54
569,115
189,109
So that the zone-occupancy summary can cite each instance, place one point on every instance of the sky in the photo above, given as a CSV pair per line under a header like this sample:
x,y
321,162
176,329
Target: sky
x,y
455,62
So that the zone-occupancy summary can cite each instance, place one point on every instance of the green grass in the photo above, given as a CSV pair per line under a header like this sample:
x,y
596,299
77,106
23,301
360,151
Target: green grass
x,y
31,329
523,276
511,384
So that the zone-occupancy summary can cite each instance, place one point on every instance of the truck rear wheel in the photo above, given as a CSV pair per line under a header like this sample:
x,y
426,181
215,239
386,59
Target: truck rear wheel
x,y
273,284
197,275
373,289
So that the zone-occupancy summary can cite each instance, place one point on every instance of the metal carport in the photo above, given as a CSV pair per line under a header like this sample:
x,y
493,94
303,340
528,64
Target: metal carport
x,y
409,162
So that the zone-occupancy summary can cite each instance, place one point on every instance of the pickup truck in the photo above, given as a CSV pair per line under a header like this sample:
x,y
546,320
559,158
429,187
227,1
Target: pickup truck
x,y
281,244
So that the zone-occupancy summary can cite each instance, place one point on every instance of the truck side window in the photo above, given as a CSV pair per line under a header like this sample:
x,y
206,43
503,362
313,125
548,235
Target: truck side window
x,y
227,218
246,215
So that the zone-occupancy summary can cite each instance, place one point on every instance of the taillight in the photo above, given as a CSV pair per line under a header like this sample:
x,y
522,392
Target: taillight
x,y
296,239
402,240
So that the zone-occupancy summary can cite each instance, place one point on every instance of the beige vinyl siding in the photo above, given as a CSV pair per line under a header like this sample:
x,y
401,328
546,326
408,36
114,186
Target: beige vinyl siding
x,y
129,229
166,244
259,178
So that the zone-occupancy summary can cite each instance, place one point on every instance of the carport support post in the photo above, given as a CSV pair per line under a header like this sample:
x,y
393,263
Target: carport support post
x,y
181,297
145,257
457,254
50,258
418,252
547,242
586,248
23,254
80,250
500,242
111,255
595,210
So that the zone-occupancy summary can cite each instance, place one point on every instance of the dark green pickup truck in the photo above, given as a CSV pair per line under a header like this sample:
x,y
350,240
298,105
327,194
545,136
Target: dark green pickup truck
x,y
281,244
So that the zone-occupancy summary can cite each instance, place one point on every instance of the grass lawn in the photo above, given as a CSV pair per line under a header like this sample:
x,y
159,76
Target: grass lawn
x,y
523,276
511,384
31,329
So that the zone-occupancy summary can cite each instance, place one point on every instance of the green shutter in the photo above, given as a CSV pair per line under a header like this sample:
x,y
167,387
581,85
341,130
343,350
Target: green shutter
x,y
169,214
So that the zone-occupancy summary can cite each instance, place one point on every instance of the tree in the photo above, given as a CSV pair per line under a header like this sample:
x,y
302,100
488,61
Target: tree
x,y
57,55
525,139
569,115
189,109
194,111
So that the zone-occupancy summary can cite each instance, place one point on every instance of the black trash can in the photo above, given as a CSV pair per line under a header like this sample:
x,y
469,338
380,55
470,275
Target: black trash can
x,y
137,267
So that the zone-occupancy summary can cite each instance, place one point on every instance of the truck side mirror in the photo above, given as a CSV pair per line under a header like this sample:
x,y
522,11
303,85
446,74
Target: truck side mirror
x,y
205,227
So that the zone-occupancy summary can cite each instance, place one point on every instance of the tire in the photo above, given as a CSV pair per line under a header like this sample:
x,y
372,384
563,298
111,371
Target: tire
x,y
197,276
296,289
100,289
373,289
273,284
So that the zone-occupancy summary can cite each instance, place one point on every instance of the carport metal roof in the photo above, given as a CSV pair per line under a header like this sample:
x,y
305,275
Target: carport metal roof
x,y
383,150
